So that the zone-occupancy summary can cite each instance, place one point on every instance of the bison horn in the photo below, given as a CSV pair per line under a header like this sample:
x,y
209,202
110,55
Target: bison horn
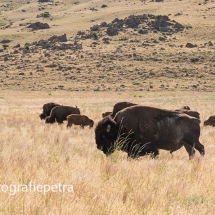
x,y
108,128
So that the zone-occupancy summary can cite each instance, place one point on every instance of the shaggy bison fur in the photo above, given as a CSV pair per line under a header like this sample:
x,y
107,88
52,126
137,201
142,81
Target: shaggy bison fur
x,y
210,121
60,113
140,130
82,120
47,109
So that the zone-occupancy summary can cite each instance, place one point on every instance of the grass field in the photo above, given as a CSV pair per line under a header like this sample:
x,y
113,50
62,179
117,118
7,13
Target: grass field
x,y
34,152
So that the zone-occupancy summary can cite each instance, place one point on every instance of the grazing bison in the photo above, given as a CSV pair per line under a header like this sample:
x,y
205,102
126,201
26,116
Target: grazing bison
x,y
106,114
82,120
119,106
210,121
141,130
47,109
60,113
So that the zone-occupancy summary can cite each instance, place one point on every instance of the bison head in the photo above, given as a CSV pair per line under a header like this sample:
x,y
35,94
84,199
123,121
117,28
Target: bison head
x,y
105,135
42,116
210,121
91,123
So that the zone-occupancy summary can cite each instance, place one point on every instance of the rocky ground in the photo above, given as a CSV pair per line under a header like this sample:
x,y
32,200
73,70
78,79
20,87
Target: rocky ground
x,y
134,52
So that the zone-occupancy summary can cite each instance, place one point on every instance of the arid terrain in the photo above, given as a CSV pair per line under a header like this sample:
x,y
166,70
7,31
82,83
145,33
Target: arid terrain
x,y
93,54
127,45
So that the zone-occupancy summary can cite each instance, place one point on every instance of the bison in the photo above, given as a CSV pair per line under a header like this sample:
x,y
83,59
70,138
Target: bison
x,y
60,113
141,130
186,110
81,120
47,109
117,107
210,121
106,114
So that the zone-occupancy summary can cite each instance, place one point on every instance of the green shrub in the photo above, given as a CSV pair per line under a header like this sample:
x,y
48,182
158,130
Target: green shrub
x,y
46,14
103,6
5,46
26,47
158,16
94,34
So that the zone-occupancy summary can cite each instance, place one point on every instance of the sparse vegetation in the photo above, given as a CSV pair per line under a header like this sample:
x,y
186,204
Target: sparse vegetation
x,y
26,47
94,34
46,14
103,6
157,16
5,46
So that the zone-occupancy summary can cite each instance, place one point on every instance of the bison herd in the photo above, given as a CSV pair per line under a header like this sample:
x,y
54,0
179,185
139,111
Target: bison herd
x,y
135,129
53,112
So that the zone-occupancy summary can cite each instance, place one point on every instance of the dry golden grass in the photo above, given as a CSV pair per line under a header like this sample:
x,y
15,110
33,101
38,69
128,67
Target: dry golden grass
x,y
31,151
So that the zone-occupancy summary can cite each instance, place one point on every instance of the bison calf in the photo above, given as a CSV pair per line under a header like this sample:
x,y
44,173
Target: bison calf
x,y
210,121
82,120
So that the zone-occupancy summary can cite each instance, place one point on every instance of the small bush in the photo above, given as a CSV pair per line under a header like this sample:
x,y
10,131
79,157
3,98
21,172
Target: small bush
x,y
46,14
26,47
5,46
158,16
103,6
94,34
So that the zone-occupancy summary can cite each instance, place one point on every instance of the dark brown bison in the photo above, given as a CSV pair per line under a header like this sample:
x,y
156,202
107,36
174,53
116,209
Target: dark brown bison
x,y
47,109
118,107
186,110
106,114
141,130
210,121
60,113
76,119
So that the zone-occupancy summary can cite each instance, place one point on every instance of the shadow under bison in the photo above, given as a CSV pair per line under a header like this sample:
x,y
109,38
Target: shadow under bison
x,y
141,130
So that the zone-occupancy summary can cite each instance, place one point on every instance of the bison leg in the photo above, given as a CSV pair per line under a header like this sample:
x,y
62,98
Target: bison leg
x,y
153,150
69,125
197,145
60,121
190,150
